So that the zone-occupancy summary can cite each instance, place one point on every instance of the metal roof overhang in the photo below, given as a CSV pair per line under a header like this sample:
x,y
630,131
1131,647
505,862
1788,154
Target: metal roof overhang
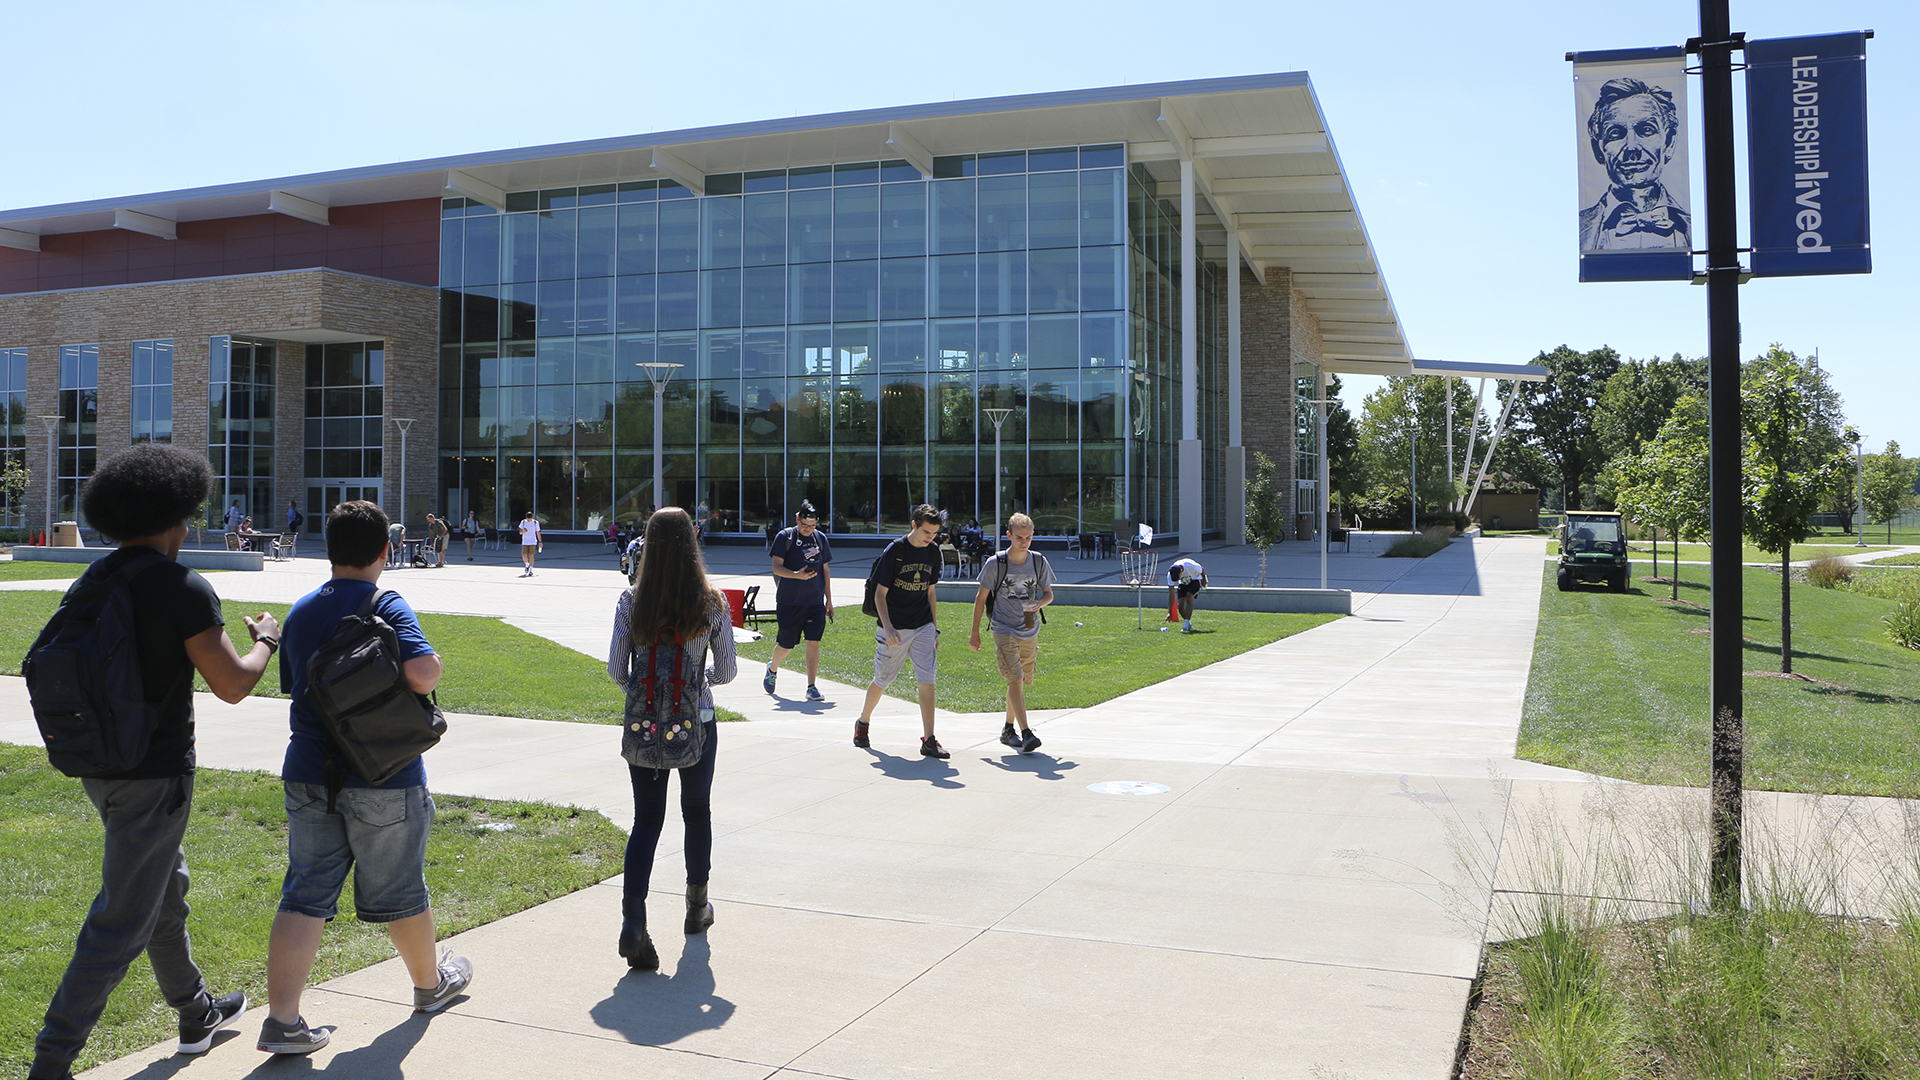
x,y
1263,159
1465,370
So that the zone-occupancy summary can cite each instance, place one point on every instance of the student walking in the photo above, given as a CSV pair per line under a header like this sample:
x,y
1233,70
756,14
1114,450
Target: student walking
x,y
470,531
529,542
803,594
1018,583
672,604
903,595
377,831
144,498
1185,579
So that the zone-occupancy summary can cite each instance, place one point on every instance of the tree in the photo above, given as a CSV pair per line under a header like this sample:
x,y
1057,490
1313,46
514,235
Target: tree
x,y
1345,473
1413,410
1636,402
14,480
1886,486
1557,416
1825,437
1266,517
1783,477
1666,484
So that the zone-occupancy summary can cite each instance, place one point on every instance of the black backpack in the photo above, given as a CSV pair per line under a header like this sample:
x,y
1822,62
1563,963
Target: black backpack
x,y
867,605
376,725
663,728
83,677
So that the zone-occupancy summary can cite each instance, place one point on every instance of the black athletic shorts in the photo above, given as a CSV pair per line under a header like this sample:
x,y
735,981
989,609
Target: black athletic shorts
x,y
798,621
1187,588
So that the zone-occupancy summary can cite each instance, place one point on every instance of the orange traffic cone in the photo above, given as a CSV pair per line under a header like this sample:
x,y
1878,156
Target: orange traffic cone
x,y
1173,610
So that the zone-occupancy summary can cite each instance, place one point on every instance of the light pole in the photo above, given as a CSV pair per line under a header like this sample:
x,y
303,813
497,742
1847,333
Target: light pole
x,y
1859,496
1323,483
998,416
404,423
1413,468
659,373
53,428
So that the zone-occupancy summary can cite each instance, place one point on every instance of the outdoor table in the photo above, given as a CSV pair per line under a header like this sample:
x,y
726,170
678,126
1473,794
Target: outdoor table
x,y
269,540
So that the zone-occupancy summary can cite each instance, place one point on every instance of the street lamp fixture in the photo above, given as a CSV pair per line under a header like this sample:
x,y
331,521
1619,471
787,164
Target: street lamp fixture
x,y
659,373
404,423
53,428
998,416
1859,495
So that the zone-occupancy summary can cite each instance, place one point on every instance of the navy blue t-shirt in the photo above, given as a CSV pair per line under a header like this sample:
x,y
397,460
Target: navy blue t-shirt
x,y
797,553
309,624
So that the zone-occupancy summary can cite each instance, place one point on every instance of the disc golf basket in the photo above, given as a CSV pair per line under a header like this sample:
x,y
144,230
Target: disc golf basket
x,y
1138,568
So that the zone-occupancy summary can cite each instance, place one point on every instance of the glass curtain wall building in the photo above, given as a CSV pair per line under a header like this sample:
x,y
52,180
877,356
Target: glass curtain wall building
x,y
838,330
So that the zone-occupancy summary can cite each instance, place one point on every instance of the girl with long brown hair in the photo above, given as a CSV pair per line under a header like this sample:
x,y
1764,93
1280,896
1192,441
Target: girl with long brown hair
x,y
671,603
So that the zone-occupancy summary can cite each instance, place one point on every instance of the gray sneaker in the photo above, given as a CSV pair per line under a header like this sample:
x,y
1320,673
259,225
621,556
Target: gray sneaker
x,y
455,973
814,694
766,681
294,1038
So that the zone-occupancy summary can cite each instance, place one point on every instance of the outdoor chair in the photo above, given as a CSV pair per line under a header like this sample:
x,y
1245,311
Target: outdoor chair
x,y
949,556
750,614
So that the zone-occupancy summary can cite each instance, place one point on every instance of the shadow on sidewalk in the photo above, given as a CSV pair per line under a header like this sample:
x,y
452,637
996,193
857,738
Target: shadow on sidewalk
x,y
380,1059
932,770
1043,766
803,706
650,1008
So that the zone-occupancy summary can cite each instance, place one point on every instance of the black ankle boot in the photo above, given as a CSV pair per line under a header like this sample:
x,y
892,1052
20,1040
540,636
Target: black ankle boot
x,y
699,911
635,945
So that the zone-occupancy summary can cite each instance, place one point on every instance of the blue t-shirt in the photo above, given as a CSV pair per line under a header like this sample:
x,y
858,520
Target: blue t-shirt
x,y
798,553
309,624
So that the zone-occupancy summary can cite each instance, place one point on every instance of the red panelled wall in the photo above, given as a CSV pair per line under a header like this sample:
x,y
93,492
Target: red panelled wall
x,y
399,241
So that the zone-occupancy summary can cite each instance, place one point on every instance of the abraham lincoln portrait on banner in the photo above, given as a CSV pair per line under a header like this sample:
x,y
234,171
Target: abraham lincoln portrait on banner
x,y
1631,132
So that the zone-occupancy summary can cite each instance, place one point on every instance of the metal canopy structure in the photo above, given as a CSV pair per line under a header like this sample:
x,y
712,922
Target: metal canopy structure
x,y
1269,180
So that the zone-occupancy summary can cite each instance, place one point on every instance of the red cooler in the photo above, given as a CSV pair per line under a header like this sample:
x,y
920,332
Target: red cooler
x,y
737,605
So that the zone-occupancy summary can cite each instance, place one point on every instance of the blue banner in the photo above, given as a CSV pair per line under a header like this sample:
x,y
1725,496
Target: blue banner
x,y
1807,155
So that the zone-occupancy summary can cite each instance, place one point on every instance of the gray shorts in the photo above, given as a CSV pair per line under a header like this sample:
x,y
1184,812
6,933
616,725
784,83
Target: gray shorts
x,y
917,645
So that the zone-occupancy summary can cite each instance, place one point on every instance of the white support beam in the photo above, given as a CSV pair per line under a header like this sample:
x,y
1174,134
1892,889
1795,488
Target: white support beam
x,y
14,238
1360,350
677,168
134,221
281,202
1190,488
469,186
902,142
1333,252
1345,333
1303,219
1176,131
1281,185
1261,145
1349,309
1233,345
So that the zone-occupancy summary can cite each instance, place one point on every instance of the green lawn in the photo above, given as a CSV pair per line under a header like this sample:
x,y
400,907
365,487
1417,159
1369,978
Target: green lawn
x,y
1898,560
236,847
491,668
1749,553
1619,687
1082,665
40,571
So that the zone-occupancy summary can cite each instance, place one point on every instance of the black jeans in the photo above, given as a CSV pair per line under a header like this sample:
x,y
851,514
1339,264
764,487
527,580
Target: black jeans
x,y
650,814
142,905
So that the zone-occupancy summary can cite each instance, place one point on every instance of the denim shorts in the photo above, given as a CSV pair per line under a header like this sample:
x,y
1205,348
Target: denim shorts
x,y
380,833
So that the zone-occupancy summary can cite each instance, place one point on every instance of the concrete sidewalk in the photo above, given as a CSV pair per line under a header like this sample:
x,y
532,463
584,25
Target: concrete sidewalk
x,y
1288,906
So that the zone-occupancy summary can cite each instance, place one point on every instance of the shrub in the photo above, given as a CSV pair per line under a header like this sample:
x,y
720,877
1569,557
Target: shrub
x,y
1421,545
1903,624
1829,572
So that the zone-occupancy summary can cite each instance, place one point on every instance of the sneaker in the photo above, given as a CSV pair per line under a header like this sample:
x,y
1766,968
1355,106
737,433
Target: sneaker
x,y
814,694
766,682
196,1036
455,973
1010,737
860,734
930,747
1029,743
294,1038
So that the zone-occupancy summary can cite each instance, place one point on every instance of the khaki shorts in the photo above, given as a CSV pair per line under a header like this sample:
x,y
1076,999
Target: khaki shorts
x,y
1017,656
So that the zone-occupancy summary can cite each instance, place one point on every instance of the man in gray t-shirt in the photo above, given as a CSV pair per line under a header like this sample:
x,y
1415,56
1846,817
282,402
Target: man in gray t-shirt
x,y
1018,583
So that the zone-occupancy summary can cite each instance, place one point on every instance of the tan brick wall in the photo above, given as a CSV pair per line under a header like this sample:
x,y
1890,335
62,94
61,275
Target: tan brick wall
x,y
1266,362
259,306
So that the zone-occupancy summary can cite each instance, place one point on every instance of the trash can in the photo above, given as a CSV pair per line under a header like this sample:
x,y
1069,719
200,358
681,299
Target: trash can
x,y
66,534
737,606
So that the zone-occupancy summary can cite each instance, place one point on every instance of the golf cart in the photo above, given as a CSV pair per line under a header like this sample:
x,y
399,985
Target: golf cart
x,y
1593,548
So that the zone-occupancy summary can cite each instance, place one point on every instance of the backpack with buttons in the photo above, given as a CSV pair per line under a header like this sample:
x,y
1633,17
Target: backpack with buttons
x,y
664,728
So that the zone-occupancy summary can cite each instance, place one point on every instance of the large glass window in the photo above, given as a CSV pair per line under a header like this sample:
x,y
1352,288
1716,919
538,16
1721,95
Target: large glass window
x,y
838,329
152,391
240,382
13,428
79,436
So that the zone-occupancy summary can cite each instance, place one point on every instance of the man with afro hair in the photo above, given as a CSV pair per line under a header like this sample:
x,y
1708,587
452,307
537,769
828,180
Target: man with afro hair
x,y
142,498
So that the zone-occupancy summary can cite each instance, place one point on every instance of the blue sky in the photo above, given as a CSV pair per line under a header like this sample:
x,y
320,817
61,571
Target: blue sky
x,y
1454,123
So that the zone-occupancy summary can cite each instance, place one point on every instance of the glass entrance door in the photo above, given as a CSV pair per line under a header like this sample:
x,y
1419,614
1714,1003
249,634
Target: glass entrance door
x,y
323,496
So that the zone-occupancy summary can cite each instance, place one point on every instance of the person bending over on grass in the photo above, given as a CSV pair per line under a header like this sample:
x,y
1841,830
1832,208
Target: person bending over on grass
x,y
143,498
380,833
905,574
804,596
1018,582
671,601
1185,579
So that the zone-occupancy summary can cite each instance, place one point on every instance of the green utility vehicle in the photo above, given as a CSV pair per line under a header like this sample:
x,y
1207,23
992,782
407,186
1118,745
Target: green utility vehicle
x,y
1593,547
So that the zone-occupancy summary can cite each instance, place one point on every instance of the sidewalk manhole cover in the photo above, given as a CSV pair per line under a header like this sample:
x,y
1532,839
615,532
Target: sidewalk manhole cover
x,y
1128,787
